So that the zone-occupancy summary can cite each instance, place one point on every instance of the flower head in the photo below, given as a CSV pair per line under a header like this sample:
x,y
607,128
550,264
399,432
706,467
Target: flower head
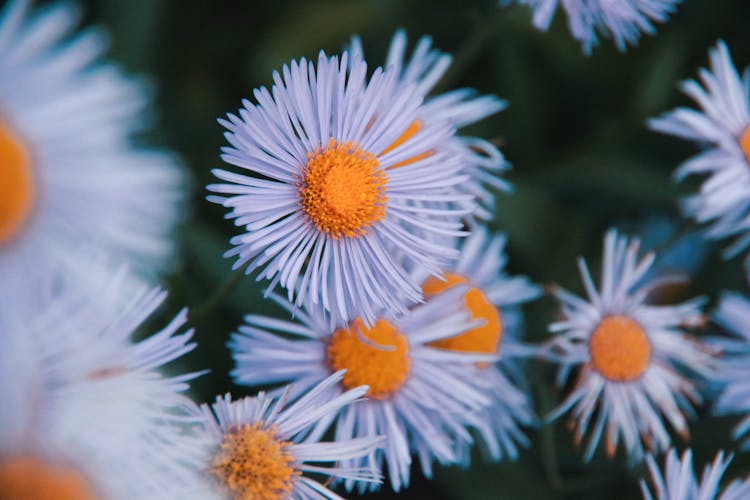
x,y
335,171
262,447
630,356
418,395
733,314
71,182
723,126
482,161
494,299
622,20
88,413
678,482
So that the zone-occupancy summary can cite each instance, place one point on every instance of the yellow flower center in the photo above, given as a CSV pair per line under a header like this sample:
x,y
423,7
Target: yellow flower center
x,y
620,349
343,191
17,191
482,339
381,361
745,143
29,478
410,132
253,464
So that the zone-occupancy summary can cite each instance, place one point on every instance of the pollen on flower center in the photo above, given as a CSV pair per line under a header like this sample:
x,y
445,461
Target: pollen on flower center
x,y
410,132
253,464
377,357
16,184
28,477
482,339
343,190
745,143
620,349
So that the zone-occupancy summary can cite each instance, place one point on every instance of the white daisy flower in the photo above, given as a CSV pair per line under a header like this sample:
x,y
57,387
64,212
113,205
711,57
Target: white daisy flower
x,y
334,171
733,314
629,356
482,161
86,412
678,482
494,298
262,448
71,179
723,126
621,20
418,395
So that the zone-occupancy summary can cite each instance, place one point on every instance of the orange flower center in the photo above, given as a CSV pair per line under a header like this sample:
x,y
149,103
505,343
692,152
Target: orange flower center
x,y
380,360
254,465
343,191
482,339
410,132
620,350
30,478
745,143
17,191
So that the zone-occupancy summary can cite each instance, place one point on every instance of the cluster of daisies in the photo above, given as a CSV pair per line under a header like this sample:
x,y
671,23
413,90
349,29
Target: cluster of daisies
x,y
363,211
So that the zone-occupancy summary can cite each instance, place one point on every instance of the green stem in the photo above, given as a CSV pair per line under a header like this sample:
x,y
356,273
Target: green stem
x,y
547,437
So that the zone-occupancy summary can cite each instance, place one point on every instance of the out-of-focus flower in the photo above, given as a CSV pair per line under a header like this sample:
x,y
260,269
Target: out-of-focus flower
x,y
733,314
621,20
723,126
418,395
629,356
70,178
482,161
262,447
494,298
680,483
336,173
678,255
86,413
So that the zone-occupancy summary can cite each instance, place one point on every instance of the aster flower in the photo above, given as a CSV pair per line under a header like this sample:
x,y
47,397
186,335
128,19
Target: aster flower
x,y
494,298
482,161
418,395
733,314
680,483
635,365
334,171
86,412
261,447
622,20
70,179
723,126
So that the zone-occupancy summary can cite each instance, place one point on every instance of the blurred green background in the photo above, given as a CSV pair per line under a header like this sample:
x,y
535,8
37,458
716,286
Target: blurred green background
x,y
574,132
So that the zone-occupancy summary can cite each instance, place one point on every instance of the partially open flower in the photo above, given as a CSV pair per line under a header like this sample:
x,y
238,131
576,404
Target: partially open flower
x,y
634,365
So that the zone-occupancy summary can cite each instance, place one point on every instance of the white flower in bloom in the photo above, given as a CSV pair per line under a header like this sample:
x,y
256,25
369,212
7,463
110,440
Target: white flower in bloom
x,y
418,396
335,174
263,447
70,179
621,20
482,161
634,365
86,413
733,314
494,298
722,126
678,482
